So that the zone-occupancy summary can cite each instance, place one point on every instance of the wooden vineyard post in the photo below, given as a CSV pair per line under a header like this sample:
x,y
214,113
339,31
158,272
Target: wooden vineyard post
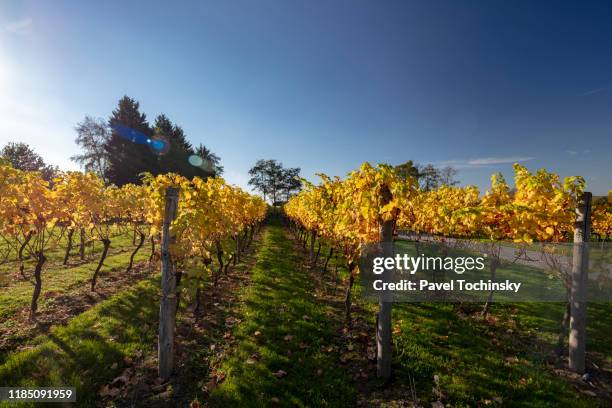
x,y
578,302
167,304
383,322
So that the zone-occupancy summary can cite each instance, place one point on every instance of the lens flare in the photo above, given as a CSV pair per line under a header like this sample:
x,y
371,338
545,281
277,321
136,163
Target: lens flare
x,y
159,145
195,160
130,134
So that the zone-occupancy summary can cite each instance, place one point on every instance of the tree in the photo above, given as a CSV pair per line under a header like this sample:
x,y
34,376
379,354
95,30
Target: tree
x,y
210,161
271,179
122,149
291,182
92,135
130,150
176,160
258,178
22,157
181,157
447,176
407,170
428,176
32,217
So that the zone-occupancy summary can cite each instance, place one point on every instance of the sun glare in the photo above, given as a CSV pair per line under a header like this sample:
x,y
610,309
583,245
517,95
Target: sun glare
x,y
5,74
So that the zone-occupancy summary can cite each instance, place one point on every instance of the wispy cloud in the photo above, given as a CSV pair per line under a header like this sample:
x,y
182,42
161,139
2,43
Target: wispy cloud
x,y
575,152
23,26
489,161
483,162
594,91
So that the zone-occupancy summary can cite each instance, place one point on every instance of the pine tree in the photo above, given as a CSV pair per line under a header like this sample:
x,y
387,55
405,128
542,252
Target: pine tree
x,y
128,148
211,163
176,160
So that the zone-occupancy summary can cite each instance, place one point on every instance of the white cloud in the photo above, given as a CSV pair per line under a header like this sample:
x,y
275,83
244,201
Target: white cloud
x,y
488,161
23,26
594,91
575,152
482,162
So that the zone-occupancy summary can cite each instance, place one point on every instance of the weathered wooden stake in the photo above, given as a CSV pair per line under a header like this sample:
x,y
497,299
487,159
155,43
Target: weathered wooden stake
x,y
383,324
580,265
167,304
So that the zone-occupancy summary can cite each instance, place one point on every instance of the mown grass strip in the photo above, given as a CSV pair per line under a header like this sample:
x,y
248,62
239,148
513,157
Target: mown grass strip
x,y
91,349
443,352
280,358
59,278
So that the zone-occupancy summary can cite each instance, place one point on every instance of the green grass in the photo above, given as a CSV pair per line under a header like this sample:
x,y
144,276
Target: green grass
x,y
480,363
59,278
83,353
62,287
99,344
120,237
475,362
280,296
284,326
121,244
543,318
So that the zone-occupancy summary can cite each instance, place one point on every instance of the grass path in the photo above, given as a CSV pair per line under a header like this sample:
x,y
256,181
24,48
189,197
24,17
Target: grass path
x,y
282,352
59,278
66,293
109,351
62,280
93,348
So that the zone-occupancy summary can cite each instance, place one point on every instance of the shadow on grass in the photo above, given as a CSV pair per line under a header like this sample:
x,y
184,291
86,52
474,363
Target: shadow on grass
x,y
279,358
83,353
479,363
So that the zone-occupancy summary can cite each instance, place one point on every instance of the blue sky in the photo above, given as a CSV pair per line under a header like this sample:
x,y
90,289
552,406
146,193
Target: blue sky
x,y
324,85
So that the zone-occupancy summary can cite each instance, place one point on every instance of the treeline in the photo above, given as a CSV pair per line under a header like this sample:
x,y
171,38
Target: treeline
x,y
274,181
126,145
20,156
427,176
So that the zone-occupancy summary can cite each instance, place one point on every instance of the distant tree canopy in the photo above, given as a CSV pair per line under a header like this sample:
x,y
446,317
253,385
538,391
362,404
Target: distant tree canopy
x,y
92,136
428,176
21,156
211,161
120,150
273,181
